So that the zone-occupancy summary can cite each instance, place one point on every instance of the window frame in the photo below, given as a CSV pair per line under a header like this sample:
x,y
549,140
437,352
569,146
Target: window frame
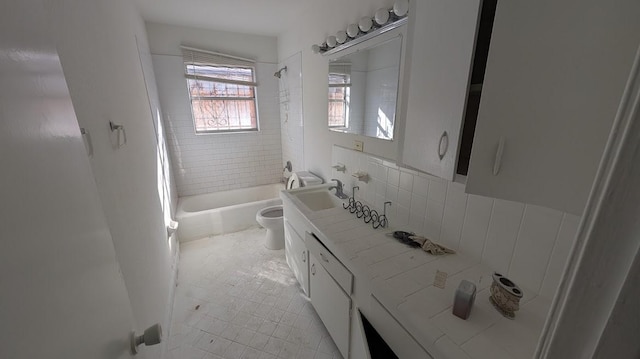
x,y
346,85
218,60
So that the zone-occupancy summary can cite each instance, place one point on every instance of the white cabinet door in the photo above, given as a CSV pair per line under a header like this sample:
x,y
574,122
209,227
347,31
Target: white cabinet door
x,y
62,292
297,256
332,305
441,45
554,77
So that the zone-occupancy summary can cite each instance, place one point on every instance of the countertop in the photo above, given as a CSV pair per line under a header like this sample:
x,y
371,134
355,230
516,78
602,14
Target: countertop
x,y
401,278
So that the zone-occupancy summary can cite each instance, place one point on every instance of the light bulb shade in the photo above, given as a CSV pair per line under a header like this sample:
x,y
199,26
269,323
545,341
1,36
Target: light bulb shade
x,y
401,7
365,24
315,48
381,17
331,41
341,36
353,30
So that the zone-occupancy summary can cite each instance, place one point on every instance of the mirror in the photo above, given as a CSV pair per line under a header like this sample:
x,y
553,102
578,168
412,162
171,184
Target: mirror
x,y
363,90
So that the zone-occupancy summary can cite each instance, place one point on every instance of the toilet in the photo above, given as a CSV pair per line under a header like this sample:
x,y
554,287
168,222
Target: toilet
x,y
271,217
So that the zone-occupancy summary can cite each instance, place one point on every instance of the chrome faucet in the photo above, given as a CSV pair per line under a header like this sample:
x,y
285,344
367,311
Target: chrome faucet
x,y
338,188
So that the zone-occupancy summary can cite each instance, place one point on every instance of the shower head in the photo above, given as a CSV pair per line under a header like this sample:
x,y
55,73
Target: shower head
x,y
278,73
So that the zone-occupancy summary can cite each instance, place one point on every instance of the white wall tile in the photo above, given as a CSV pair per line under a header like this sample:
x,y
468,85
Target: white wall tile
x,y
437,190
476,223
560,254
404,198
211,163
402,216
391,193
502,234
433,219
393,177
453,218
406,181
420,185
513,238
535,242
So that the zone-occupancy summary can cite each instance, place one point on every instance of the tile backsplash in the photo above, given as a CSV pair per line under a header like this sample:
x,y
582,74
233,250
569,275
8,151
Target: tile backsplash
x,y
528,243
219,162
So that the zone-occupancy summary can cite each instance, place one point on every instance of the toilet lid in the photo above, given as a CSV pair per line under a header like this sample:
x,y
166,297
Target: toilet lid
x,y
293,182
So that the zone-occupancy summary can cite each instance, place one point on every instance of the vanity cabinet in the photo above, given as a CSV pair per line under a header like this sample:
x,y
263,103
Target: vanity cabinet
x,y
398,339
441,38
330,286
297,256
555,75
331,303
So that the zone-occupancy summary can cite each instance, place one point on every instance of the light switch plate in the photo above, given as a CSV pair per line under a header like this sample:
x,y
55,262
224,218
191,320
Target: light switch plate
x,y
358,145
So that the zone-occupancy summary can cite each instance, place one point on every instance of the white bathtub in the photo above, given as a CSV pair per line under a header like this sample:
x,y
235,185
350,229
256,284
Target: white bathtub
x,y
224,212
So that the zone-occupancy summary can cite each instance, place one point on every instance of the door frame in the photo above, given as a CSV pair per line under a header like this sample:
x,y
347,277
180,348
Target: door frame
x,y
606,246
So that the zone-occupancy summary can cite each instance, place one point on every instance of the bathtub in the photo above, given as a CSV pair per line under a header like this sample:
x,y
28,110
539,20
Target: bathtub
x,y
224,212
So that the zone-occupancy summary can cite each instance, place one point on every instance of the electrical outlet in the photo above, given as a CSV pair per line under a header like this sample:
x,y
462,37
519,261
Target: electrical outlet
x,y
440,280
358,145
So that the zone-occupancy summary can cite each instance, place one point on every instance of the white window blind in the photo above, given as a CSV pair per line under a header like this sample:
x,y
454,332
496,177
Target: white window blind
x,y
222,89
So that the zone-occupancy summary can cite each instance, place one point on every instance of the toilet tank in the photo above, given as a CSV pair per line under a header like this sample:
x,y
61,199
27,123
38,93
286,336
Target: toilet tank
x,y
303,179
308,179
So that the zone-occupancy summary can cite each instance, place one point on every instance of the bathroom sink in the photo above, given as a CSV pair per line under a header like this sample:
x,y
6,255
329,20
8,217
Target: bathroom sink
x,y
318,200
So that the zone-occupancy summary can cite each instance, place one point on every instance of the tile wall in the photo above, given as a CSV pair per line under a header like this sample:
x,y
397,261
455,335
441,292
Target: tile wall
x,y
219,162
528,243
291,122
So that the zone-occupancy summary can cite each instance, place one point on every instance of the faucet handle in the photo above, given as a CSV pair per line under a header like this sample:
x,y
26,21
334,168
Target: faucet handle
x,y
338,182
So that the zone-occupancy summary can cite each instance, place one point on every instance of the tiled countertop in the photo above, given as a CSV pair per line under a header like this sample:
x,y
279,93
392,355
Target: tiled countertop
x,y
401,278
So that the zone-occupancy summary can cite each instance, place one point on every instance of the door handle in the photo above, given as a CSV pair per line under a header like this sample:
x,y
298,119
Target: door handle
x,y
313,269
304,257
324,258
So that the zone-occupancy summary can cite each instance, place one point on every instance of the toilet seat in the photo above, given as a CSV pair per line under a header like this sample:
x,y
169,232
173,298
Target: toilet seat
x,y
272,212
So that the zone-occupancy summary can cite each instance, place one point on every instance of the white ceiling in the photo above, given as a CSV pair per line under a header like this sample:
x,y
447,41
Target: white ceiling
x,y
263,17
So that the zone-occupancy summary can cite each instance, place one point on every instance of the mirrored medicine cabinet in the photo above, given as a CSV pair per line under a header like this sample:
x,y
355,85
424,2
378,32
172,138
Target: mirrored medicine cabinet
x,y
364,79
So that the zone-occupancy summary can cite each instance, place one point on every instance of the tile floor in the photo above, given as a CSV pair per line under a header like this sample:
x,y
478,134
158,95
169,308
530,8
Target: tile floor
x,y
238,300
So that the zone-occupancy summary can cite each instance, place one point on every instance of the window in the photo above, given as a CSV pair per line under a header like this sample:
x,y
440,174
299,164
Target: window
x,y
222,90
339,92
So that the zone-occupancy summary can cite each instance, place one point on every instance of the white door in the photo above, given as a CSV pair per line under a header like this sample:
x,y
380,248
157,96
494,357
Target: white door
x,y
62,294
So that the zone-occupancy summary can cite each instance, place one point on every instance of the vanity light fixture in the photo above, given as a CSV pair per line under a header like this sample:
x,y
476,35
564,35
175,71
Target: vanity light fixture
x,y
341,36
331,41
365,24
383,18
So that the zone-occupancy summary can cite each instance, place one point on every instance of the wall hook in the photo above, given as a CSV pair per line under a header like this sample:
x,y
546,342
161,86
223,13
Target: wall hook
x,y
122,134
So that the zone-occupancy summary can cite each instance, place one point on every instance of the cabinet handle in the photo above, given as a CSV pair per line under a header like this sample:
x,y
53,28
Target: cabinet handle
x,y
304,257
324,258
443,145
313,269
498,160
